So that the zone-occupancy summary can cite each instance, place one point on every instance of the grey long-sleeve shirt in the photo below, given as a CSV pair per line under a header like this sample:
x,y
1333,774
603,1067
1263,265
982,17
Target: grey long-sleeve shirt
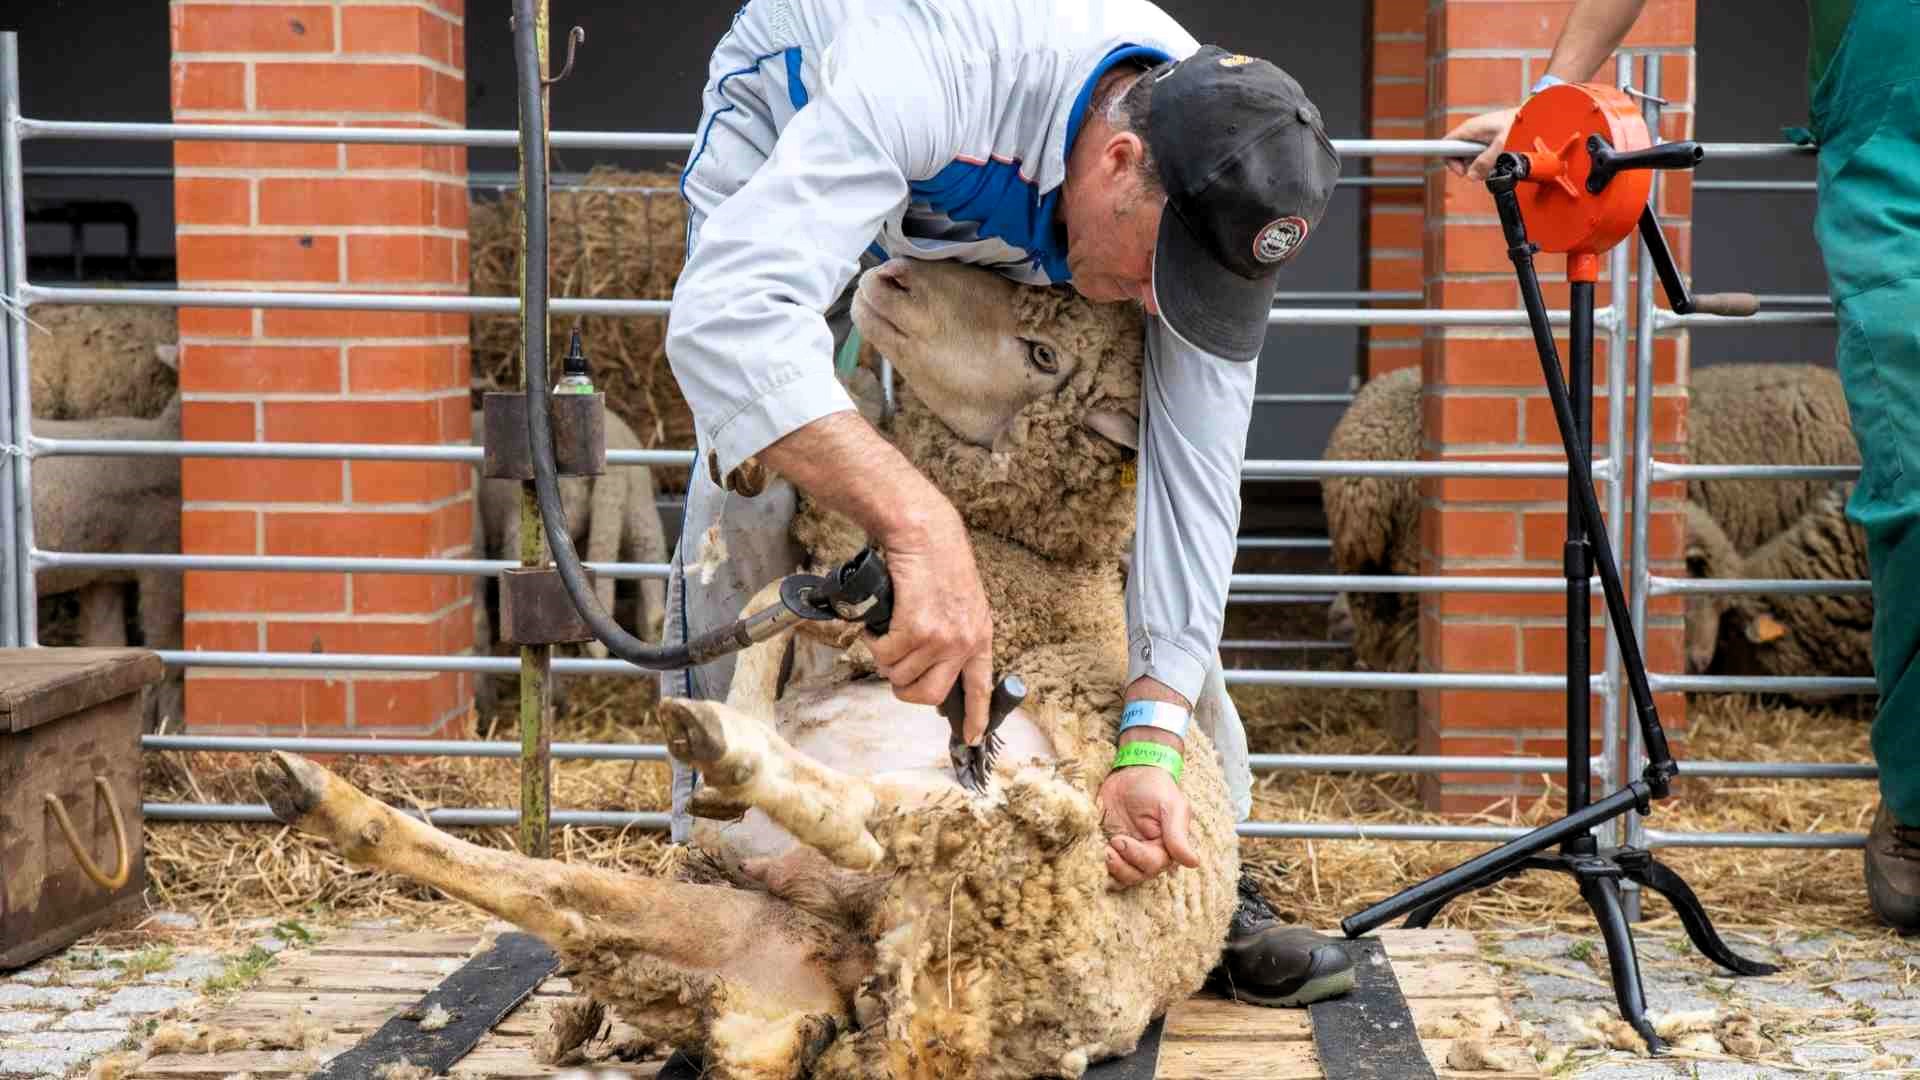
x,y
937,129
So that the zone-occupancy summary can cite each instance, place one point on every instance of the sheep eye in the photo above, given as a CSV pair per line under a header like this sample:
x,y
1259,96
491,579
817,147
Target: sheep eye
x,y
1041,356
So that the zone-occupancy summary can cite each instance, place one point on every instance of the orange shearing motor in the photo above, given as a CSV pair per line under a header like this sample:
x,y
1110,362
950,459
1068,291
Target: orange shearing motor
x,y
1580,155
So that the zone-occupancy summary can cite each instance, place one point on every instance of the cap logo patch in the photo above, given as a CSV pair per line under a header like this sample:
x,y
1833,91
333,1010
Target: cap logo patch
x,y
1280,239
1236,60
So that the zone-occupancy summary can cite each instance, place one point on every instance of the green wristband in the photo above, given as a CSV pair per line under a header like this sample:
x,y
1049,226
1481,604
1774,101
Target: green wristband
x,y
1144,752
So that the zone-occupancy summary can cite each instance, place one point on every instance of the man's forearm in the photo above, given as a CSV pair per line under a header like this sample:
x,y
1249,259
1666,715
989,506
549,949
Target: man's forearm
x,y
1594,29
843,463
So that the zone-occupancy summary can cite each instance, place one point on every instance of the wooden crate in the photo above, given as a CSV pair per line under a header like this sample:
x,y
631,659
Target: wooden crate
x,y
352,982
70,723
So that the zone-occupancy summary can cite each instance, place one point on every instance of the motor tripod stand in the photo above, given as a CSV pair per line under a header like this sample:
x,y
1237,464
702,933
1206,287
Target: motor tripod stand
x,y
1577,169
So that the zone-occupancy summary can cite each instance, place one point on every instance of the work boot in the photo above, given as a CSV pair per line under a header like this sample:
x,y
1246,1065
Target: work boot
x,y
1893,872
1267,963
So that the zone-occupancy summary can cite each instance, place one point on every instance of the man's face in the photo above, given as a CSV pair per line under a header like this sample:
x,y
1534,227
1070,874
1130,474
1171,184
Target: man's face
x,y
1113,222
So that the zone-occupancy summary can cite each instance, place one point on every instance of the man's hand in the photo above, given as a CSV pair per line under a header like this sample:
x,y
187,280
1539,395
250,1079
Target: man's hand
x,y
941,627
1490,128
1142,808
1145,815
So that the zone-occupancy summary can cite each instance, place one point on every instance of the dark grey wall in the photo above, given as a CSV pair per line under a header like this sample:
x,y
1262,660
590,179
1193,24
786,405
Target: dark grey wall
x,y
1752,84
642,67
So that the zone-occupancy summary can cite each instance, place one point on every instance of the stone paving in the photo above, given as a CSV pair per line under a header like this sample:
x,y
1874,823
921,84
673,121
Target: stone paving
x,y
71,1009
1843,1005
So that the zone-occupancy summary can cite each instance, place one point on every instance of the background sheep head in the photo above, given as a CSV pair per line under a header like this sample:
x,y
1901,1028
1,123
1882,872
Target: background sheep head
x,y
1709,616
1022,402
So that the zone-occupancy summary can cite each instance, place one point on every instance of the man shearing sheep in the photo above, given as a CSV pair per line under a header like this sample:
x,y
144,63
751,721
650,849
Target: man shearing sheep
x,y
1094,143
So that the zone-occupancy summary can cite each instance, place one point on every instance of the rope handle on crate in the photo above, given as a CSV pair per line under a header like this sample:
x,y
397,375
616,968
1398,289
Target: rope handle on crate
x,y
87,865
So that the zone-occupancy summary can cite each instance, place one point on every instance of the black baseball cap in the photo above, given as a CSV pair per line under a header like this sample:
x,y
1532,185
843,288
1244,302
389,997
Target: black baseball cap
x,y
1248,170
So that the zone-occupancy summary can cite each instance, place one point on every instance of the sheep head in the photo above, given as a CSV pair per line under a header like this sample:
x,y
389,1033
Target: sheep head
x,y
1022,402
1709,555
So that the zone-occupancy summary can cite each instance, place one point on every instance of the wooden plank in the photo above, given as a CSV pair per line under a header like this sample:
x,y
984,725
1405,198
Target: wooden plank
x,y
1406,944
396,943
1446,979
477,996
345,973
1248,1060
258,1009
221,1066
1208,1017
510,1062
1297,1061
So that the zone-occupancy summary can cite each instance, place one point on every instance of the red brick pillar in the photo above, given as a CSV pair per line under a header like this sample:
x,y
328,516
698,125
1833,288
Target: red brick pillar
x,y
1484,400
1396,216
323,217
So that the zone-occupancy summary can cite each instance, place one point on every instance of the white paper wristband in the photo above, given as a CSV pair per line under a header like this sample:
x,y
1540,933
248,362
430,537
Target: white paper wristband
x,y
1155,714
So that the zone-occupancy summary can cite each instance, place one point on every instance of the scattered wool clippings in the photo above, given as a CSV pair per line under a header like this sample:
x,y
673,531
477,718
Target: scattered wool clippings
x,y
116,1066
436,1018
401,1070
1472,1053
1675,1024
294,1031
1607,1032
1742,1036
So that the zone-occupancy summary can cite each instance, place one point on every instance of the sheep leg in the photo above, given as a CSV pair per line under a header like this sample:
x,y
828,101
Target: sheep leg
x,y
760,945
103,615
747,761
605,518
645,540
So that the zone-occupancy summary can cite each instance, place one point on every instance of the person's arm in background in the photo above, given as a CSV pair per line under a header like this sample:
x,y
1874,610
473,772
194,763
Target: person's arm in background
x,y
1594,29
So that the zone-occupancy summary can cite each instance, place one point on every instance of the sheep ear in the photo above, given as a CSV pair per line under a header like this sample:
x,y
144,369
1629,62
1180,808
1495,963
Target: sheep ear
x,y
1115,426
168,355
1764,629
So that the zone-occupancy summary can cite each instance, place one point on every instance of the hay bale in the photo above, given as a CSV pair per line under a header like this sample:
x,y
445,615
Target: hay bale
x,y
99,360
621,235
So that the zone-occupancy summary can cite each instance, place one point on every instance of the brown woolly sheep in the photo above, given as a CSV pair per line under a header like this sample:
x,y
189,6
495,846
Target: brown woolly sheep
x,y
868,918
1781,634
1781,414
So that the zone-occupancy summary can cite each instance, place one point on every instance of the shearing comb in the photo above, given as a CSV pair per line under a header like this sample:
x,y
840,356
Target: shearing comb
x,y
973,764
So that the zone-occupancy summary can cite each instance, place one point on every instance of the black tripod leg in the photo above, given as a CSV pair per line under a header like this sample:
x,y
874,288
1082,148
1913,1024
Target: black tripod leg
x,y
1423,917
1603,896
1693,915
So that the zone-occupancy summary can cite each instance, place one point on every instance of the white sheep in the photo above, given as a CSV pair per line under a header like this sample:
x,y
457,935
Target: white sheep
x,y
869,919
87,361
114,505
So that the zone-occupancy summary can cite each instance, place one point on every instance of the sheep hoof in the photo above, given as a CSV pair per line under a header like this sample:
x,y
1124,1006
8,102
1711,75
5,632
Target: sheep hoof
x,y
294,789
712,805
697,733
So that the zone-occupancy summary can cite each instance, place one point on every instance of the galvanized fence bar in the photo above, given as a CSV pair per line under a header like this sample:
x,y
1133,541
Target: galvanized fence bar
x,y
499,305
1762,684
1667,470
26,632
1666,320
1666,586
1613,705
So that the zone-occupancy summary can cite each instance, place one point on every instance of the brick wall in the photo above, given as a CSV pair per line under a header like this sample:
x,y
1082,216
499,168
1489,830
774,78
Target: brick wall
x,y
323,217
1484,399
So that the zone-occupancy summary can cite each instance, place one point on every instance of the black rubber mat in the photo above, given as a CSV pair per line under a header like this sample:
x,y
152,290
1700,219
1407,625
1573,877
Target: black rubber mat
x,y
1368,1033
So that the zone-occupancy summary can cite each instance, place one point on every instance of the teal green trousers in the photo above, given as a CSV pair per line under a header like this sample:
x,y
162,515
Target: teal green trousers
x,y
1866,117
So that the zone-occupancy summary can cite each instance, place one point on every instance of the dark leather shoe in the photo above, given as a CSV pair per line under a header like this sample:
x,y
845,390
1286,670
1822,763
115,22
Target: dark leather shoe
x,y
1893,872
1266,963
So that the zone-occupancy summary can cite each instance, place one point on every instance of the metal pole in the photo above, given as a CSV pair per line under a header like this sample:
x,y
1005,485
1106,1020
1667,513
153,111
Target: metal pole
x,y
1610,696
25,630
9,551
536,661
1642,454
